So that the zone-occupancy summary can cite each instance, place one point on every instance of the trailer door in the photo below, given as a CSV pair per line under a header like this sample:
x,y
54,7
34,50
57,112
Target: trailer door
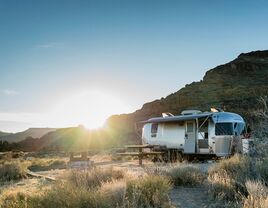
x,y
189,146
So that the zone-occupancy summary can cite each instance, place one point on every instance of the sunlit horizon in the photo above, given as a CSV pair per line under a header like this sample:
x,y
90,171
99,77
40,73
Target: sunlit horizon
x,y
89,108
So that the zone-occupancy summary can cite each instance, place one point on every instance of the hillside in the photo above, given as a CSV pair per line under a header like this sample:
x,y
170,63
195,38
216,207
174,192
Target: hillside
x,y
69,139
235,86
31,132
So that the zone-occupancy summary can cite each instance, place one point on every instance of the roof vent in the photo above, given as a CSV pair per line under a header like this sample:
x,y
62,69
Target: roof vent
x,y
167,114
190,112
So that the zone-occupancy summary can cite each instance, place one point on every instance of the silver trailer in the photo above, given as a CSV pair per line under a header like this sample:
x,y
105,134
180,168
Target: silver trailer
x,y
195,134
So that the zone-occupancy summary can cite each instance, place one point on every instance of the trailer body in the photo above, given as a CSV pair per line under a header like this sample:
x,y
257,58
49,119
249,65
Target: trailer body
x,y
217,134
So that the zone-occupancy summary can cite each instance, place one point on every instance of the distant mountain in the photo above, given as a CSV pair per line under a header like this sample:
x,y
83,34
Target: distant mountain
x,y
31,132
4,134
235,86
69,139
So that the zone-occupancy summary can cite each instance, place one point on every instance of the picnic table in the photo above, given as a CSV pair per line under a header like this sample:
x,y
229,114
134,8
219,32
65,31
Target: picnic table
x,y
140,153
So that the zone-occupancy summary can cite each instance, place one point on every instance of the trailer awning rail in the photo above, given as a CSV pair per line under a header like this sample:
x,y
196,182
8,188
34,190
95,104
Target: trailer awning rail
x,y
177,118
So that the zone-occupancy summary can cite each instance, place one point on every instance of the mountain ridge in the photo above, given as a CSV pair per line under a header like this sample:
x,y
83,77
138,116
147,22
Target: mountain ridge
x,y
235,86
33,132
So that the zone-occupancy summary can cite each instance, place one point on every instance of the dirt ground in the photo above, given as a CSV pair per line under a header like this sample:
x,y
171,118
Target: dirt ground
x,y
190,197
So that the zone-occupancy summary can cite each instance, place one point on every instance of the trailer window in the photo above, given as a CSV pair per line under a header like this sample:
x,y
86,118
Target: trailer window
x,y
154,130
239,128
224,129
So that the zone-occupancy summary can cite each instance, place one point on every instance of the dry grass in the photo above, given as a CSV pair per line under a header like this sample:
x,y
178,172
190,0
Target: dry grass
x,y
227,178
186,175
103,188
13,170
151,191
13,200
262,170
114,192
179,175
93,178
44,164
257,195
232,181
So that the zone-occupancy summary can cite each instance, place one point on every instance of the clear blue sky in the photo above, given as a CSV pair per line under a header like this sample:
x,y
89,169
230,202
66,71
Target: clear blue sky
x,y
136,51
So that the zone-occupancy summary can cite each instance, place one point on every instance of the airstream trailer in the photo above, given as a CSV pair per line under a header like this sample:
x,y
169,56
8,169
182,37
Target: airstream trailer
x,y
195,134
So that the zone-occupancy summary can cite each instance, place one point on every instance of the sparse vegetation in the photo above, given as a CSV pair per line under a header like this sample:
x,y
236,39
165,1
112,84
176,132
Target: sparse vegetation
x,y
43,164
93,178
227,179
151,191
257,195
231,181
186,175
13,170
96,188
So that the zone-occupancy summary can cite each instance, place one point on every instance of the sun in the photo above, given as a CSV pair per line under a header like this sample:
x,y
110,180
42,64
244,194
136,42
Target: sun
x,y
89,108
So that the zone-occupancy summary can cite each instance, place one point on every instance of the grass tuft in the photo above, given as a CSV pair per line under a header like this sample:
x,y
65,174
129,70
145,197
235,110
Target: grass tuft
x,y
186,175
13,170
257,195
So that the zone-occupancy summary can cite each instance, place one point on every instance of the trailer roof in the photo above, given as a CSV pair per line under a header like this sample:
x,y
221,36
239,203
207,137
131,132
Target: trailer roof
x,y
177,118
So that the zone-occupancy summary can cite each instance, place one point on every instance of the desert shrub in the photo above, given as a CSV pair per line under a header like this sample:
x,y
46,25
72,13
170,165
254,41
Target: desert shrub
x,y
151,191
8,156
262,170
114,193
13,200
186,175
42,164
237,168
257,195
65,195
13,170
111,190
227,178
222,186
94,177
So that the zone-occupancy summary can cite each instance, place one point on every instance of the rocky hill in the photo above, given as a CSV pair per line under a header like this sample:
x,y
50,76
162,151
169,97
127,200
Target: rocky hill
x,y
235,86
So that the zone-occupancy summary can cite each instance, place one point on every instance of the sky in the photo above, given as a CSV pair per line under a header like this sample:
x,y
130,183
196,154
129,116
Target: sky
x,y
65,63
